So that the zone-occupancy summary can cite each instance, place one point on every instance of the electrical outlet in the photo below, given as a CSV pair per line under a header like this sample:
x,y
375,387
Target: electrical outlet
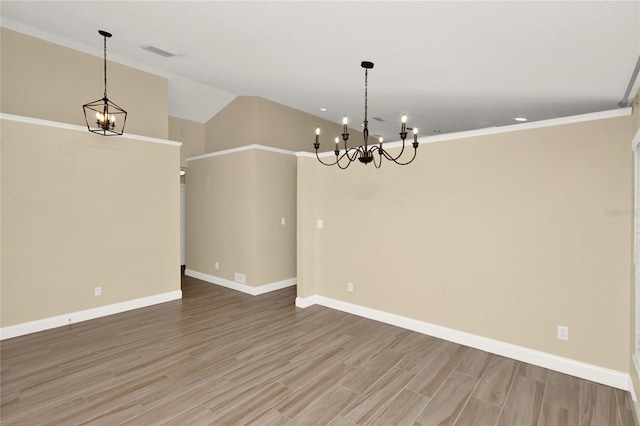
x,y
217,265
350,287
563,332
320,224
97,291
283,221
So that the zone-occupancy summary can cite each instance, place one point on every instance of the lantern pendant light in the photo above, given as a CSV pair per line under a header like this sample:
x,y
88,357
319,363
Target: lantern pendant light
x,y
103,116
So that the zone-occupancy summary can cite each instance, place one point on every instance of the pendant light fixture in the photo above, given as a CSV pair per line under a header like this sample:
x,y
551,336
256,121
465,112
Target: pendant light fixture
x,y
365,153
103,116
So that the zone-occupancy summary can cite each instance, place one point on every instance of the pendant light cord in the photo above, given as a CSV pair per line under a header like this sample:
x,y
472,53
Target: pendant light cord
x,y
366,84
105,67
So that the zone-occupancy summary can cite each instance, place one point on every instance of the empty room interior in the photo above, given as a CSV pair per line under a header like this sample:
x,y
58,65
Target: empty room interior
x,y
319,212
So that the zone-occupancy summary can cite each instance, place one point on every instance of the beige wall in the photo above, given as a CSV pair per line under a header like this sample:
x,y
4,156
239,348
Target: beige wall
x,y
217,226
306,236
220,203
636,112
233,126
234,205
43,80
635,128
252,120
504,236
81,211
275,244
191,134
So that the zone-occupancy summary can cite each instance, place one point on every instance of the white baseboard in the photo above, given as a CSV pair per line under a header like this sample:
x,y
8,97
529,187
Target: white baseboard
x,y
613,378
305,302
75,317
636,409
254,291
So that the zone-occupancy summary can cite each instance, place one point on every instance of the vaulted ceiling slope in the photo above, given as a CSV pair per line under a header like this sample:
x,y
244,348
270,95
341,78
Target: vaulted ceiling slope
x,y
450,65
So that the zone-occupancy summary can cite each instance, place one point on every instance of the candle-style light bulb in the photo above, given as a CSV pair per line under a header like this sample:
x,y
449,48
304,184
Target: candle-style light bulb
x,y
404,118
344,125
415,134
337,141
113,119
345,120
317,131
380,139
317,144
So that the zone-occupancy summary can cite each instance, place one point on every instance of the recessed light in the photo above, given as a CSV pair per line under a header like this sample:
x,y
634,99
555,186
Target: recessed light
x,y
323,109
520,119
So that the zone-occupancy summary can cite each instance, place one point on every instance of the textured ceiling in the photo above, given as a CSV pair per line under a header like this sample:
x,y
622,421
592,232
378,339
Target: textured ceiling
x,y
450,65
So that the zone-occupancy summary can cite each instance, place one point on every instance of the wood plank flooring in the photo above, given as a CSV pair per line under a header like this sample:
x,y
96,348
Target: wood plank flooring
x,y
222,357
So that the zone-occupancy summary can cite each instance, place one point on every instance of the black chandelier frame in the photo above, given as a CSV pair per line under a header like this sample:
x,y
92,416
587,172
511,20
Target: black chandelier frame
x,y
107,113
364,153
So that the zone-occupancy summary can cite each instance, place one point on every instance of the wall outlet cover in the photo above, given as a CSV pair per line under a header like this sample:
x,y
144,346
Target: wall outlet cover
x,y
563,332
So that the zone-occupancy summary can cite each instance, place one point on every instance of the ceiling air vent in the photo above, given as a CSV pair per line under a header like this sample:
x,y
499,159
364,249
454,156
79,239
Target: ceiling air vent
x,y
157,51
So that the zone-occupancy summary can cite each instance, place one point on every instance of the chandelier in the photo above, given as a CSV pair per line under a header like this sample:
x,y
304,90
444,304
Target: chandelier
x,y
106,118
365,153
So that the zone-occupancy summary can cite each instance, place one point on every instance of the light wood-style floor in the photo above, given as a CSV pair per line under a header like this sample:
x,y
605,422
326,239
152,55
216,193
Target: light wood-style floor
x,y
223,357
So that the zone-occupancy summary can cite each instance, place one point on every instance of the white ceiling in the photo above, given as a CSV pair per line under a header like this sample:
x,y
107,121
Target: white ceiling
x,y
450,65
